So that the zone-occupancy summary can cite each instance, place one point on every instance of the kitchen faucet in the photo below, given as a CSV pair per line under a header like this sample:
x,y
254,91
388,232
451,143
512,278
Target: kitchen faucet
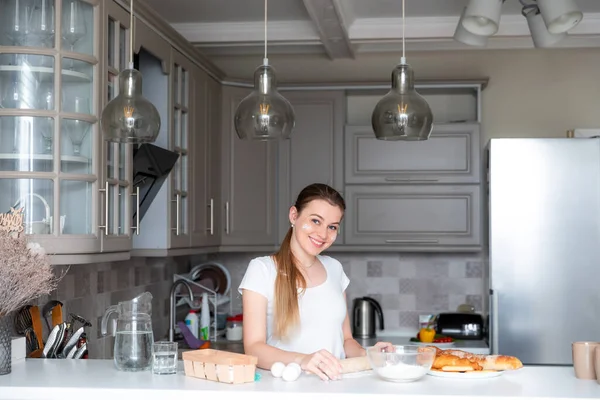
x,y
172,305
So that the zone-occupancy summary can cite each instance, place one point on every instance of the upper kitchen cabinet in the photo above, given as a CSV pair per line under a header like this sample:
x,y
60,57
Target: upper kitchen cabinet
x,y
451,155
116,173
207,167
314,153
182,97
50,142
414,217
248,181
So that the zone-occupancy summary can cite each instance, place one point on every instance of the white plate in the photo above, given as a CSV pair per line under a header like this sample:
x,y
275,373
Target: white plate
x,y
465,375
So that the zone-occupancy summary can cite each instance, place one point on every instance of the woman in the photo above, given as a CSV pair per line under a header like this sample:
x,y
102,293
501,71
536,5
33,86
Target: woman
x,y
294,301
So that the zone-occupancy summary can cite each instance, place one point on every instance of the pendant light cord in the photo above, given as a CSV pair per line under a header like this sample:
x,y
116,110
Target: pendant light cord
x,y
265,59
131,36
403,59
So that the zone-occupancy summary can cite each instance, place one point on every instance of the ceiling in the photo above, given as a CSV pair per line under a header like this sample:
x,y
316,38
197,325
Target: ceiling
x,y
343,28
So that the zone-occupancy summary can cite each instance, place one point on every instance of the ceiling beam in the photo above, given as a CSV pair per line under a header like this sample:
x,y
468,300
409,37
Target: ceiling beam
x,y
330,21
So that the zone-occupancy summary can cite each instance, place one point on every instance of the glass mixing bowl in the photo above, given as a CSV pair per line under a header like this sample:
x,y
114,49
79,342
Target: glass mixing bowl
x,y
406,364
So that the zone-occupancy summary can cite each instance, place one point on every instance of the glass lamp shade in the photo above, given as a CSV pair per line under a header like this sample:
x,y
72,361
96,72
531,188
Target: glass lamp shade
x,y
264,114
129,117
402,114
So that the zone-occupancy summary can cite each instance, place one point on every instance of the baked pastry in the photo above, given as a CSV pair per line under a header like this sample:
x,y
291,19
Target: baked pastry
x,y
463,361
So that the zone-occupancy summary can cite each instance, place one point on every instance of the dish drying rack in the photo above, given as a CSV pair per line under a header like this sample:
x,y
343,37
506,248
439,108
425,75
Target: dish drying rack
x,y
215,299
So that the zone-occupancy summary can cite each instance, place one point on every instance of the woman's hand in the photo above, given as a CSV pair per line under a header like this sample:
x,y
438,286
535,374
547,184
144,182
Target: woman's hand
x,y
323,364
385,346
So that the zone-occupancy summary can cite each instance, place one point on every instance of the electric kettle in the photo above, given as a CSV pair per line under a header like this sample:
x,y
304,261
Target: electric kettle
x,y
363,317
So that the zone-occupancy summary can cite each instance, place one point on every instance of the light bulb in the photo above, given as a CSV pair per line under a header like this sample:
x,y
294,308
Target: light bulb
x,y
402,114
264,114
130,117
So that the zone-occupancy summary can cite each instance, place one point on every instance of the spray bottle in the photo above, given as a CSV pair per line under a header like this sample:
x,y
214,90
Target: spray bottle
x,y
204,318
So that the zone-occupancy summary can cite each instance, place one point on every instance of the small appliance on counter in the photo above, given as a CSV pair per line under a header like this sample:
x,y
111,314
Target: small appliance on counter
x,y
463,326
363,317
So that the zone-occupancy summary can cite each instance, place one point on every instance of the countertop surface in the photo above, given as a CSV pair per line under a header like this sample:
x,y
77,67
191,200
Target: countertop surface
x,y
98,379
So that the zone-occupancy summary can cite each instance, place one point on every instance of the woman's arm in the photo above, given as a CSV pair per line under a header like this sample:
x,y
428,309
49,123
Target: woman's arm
x,y
351,347
255,333
322,363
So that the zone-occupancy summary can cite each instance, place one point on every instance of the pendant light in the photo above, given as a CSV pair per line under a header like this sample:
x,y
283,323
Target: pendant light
x,y
402,114
264,114
129,117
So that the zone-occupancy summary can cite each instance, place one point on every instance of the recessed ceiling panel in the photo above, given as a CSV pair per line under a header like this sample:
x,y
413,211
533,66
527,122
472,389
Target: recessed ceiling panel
x,y
178,11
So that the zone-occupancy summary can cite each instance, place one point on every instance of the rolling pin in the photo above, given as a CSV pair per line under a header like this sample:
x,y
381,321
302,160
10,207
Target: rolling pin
x,y
355,364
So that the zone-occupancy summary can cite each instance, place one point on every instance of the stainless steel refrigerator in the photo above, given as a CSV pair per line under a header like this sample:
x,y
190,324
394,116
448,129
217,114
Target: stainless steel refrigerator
x,y
544,243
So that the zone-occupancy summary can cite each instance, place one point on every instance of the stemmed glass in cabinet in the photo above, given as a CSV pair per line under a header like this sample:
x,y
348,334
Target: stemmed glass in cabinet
x,y
73,23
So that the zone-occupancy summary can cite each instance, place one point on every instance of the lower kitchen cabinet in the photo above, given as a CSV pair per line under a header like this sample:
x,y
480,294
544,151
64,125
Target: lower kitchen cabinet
x,y
414,217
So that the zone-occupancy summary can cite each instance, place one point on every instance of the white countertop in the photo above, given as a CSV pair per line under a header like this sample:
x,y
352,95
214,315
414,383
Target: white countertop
x,y
98,379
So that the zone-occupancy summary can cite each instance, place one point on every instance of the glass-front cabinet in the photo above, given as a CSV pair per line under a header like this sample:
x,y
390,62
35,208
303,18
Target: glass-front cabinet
x,y
49,130
182,95
116,189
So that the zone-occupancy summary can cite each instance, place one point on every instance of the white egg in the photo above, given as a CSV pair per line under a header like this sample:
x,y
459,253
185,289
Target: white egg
x,y
277,369
291,372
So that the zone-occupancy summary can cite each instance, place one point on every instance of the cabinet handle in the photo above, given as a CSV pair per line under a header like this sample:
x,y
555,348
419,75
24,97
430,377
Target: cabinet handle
x,y
413,241
212,216
392,179
227,217
105,190
137,211
177,202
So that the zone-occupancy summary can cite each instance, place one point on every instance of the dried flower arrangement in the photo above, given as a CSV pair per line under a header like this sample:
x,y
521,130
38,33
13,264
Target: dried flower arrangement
x,y
25,269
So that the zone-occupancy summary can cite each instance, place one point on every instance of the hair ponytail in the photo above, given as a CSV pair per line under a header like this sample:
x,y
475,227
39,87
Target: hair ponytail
x,y
289,279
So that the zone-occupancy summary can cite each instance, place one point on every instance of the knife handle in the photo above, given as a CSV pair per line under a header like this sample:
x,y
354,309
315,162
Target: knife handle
x,y
36,318
57,315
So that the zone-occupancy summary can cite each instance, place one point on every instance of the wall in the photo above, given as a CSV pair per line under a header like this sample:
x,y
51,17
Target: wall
x,y
406,285
531,93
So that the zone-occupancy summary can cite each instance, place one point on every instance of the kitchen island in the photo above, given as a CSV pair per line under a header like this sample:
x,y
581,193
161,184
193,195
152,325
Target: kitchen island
x,y
98,379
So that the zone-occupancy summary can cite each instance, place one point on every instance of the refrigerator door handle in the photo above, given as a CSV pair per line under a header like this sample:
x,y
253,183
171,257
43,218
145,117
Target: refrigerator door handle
x,y
494,321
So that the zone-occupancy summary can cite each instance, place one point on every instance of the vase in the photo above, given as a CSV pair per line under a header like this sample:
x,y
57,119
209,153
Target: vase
x,y
5,345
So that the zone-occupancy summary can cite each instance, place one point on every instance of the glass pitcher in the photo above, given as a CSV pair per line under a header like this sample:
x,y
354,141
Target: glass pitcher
x,y
133,333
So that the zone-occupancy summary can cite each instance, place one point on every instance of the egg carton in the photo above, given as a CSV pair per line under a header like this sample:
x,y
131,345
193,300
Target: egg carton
x,y
220,366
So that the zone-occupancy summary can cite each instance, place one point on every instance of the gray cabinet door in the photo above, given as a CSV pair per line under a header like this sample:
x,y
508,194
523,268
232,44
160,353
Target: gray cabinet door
x,y
314,153
213,150
248,182
200,221
451,155
414,217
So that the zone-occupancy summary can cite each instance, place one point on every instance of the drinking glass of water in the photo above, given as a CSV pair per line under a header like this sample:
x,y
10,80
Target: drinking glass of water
x,y
164,358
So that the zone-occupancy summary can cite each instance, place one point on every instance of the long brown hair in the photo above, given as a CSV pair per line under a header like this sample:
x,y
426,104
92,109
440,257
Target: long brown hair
x,y
289,279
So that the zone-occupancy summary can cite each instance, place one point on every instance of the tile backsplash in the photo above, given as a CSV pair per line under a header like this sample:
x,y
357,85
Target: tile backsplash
x,y
406,285
88,290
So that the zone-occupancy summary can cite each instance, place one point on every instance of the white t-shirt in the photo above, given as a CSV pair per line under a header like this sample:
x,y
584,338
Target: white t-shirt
x,y
322,308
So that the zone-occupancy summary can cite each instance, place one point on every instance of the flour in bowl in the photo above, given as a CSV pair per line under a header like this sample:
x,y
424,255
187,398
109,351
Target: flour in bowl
x,y
401,372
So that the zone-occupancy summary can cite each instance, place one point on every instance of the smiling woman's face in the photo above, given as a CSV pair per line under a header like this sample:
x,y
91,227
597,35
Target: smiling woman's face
x,y
316,227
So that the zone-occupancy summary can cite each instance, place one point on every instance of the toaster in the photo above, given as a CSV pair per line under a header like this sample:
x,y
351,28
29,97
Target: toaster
x,y
463,326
